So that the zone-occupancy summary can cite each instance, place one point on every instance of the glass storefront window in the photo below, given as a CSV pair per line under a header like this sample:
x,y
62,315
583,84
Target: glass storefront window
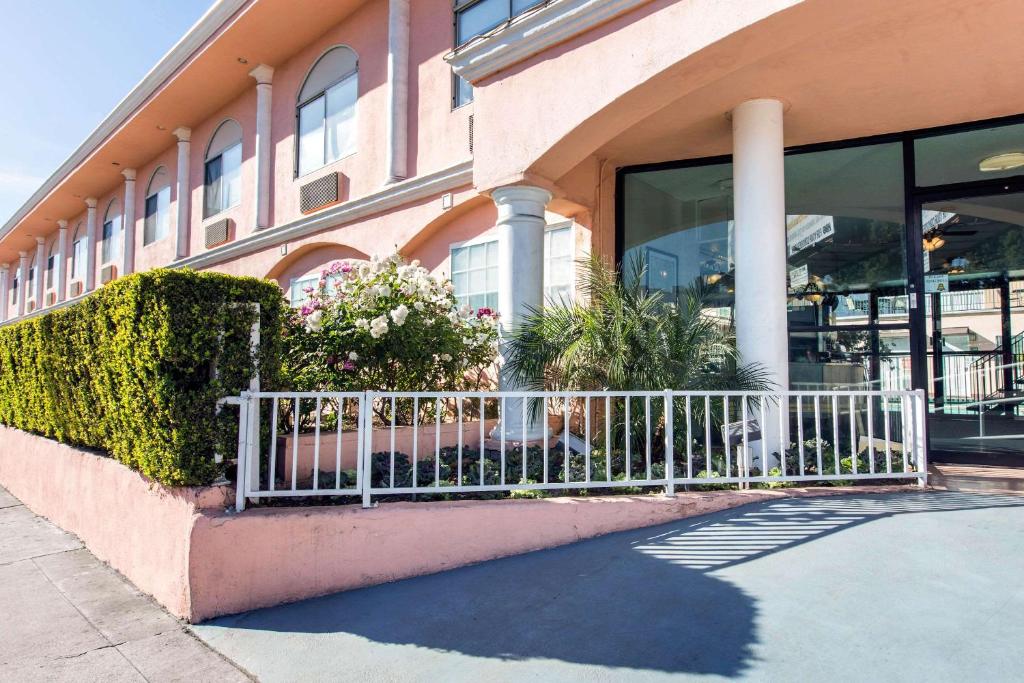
x,y
846,251
679,223
862,359
960,157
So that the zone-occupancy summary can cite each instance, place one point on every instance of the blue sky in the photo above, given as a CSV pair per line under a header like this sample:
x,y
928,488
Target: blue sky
x,y
66,65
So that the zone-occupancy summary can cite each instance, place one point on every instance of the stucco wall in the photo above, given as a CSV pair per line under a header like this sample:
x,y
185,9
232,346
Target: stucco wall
x,y
200,560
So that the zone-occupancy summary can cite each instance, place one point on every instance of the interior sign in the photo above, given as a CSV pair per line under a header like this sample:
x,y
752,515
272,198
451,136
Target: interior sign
x,y
936,284
798,277
803,231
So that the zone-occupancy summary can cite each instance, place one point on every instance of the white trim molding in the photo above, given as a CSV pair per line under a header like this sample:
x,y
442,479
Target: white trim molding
x,y
398,194
392,196
531,33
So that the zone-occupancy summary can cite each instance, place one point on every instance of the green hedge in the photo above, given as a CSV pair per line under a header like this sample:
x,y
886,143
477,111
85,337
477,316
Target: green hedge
x,y
130,369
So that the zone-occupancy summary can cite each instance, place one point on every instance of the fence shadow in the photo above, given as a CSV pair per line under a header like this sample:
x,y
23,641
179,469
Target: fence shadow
x,y
643,600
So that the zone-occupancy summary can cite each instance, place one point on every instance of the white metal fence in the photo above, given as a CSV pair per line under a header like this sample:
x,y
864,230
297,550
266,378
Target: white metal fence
x,y
298,444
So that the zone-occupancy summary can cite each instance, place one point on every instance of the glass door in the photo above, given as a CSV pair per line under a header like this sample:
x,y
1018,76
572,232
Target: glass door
x,y
973,300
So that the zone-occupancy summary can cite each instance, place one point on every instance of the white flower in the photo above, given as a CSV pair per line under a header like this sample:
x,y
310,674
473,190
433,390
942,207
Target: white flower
x,y
378,327
363,324
353,356
400,314
446,357
419,305
383,291
416,263
453,316
428,322
314,321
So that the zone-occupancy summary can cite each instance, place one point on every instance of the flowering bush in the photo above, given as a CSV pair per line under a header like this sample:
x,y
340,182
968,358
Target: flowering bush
x,y
387,325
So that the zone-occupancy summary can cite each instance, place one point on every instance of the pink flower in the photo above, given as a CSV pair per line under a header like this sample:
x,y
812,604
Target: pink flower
x,y
348,365
481,312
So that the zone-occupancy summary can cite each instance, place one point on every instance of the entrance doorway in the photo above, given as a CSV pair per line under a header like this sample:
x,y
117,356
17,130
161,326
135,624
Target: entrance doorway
x,y
973,325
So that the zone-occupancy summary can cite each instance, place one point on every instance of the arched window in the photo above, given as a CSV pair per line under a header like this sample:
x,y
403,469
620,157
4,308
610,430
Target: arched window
x,y
326,111
51,263
223,179
78,254
110,246
158,207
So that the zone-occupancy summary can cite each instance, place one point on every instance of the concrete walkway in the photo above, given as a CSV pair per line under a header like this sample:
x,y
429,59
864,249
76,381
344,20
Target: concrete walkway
x,y
901,587
66,616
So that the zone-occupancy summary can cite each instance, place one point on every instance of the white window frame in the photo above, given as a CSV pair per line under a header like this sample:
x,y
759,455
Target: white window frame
x,y
110,247
480,240
342,81
297,284
569,226
78,254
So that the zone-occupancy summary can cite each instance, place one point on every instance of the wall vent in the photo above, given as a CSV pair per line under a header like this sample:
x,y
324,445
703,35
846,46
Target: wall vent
x,y
319,193
107,273
470,133
76,289
51,298
218,232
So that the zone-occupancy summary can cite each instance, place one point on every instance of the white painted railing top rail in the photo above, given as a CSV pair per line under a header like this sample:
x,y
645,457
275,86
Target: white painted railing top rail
x,y
298,444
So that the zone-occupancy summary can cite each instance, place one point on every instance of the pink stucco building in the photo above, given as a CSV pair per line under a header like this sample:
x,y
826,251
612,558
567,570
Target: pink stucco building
x,y
791,154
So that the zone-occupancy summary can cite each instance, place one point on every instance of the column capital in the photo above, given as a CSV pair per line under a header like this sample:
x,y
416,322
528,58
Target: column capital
x,y
263,74
62,224
23,255
183,133
129,174
91,202
5,267
520,200
40,241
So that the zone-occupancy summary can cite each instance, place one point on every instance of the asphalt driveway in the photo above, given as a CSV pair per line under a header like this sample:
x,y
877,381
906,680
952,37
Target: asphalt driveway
x,y
909,586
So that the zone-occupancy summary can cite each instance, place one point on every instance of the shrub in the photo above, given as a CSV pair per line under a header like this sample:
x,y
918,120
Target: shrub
x,y
387,326
135,369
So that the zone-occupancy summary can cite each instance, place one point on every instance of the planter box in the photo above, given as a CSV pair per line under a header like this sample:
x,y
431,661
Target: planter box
x,y
449,434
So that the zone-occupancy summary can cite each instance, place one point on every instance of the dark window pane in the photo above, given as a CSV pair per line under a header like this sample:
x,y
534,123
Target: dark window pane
x,y
679,223
480,18
212,182
957,157
463,91
519,6
845,236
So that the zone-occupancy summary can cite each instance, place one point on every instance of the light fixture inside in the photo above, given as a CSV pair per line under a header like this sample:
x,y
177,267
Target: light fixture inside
x,y
1001,162
243,60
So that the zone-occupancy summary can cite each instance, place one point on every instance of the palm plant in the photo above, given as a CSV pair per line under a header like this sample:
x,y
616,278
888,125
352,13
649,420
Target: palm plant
x,y
621,336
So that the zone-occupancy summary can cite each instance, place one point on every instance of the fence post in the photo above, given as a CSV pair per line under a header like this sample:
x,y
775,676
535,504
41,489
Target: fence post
x,y
252,464
242,454
670,461
920,438
366,446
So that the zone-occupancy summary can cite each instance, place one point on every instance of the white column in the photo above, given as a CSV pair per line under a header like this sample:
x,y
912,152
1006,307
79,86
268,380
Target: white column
x,y
398,90
760,213
40,283
22,281
5,290
184,135
128,231
90,245
62,264
264,75
520,231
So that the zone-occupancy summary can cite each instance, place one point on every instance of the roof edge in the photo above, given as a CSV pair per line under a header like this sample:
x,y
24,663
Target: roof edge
x,y
204,29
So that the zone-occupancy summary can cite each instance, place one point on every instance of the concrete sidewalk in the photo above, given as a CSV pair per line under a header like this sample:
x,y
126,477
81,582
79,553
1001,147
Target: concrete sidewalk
x,y
900,587
66,616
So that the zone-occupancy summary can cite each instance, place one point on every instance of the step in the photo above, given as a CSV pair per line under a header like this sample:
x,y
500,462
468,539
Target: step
x,y
985,478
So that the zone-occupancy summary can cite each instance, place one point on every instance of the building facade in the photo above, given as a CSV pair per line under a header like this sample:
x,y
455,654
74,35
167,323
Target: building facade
x,y
846,177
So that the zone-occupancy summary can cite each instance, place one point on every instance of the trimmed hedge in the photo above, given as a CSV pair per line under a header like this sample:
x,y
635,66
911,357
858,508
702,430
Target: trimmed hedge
x,y
130,369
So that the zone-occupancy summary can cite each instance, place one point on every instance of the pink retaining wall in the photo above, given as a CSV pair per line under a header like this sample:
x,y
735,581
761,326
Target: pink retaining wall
x,y
199,561
140,528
